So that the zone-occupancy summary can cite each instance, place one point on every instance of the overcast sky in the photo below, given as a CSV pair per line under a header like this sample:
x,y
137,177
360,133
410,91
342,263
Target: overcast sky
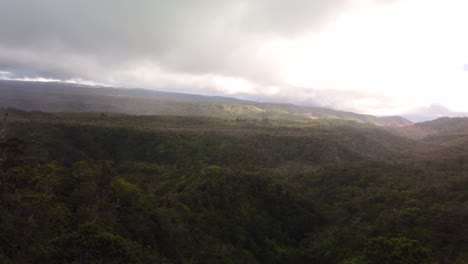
x,y
379,57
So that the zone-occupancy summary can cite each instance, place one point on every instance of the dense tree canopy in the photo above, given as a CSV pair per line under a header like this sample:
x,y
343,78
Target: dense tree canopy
x,y
92,188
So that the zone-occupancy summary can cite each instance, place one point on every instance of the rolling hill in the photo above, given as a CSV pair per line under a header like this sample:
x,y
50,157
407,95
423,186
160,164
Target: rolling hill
x,y
65,97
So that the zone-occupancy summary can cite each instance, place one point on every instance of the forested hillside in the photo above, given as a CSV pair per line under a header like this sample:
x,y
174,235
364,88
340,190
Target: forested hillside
x,y
115,188
66,97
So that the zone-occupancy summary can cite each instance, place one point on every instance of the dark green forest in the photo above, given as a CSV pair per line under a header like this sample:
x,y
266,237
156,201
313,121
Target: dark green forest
x,y
115,188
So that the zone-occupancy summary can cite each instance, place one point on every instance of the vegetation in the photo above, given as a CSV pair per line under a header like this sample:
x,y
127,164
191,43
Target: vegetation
x,y
65,97
113,188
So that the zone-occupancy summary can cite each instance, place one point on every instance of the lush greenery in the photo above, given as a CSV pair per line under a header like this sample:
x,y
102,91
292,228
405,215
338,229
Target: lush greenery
x,y
108,188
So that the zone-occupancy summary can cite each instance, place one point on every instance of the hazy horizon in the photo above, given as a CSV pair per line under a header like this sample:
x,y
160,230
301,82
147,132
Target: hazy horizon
x,y
378,57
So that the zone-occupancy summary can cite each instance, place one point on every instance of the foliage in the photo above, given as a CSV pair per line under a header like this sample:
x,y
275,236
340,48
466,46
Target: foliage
x,y
83,188
396,250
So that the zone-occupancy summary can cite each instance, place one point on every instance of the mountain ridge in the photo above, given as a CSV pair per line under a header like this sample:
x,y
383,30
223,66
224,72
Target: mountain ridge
x,y
67,97
443,126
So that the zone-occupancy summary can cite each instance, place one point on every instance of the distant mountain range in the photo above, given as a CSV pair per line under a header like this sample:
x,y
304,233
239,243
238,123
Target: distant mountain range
x,y
66,97
438,129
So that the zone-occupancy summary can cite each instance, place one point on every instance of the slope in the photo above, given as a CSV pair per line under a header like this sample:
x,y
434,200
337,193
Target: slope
x,y
65,97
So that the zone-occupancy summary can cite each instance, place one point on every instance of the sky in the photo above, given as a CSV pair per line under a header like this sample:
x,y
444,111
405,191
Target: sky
x,y
380,57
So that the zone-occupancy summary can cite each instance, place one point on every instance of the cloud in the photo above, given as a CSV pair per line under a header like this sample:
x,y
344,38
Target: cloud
x,y
202,46
432,112
347,54
198,36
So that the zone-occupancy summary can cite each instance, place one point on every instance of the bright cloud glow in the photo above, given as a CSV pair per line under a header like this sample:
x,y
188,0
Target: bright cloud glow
x,y
386,49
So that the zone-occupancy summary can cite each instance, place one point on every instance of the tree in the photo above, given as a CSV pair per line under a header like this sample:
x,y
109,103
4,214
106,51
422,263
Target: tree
x,y
92,244
399,250
4,126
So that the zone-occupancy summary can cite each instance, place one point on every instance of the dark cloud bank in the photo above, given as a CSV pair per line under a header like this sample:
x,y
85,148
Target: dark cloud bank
x,y
86,39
